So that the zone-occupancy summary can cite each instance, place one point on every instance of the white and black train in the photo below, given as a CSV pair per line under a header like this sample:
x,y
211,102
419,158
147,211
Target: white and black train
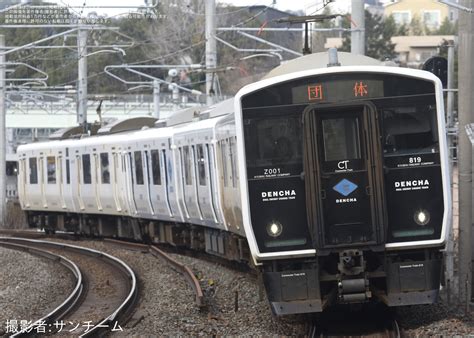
x,y
336,177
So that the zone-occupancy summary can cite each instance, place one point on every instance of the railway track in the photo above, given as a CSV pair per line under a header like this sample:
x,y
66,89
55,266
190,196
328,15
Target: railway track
x,y
155,251
105,294
376,322
174,264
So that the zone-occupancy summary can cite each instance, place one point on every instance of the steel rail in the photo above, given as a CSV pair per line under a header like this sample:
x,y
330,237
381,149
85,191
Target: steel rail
x,y
171,262
65,307
123,309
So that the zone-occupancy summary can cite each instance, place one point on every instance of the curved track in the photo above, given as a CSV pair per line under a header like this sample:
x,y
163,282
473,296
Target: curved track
x,y
175,265
185,271
64,308
108,285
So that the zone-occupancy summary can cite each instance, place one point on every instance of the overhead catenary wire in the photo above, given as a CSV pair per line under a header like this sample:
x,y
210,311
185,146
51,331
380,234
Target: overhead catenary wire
x,y
157,58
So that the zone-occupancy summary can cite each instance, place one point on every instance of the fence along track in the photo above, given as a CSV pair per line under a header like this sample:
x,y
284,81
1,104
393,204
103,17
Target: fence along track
x,y
175,265
122,312
65,307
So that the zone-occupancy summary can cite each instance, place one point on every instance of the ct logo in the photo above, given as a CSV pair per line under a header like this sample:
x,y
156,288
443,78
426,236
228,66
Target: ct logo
x,y
342,164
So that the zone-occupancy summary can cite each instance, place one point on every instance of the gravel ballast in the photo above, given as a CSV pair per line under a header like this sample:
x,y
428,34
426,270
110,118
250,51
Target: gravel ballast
x,y
30,286
167,307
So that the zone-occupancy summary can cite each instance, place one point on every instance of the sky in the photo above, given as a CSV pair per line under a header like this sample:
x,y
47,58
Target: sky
x,y
308,6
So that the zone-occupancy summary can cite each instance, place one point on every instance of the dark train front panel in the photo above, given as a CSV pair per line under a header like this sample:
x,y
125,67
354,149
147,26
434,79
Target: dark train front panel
x,y
345,187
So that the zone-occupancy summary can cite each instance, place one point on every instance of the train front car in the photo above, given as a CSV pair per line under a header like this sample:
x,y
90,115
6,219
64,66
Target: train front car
x,y
344,181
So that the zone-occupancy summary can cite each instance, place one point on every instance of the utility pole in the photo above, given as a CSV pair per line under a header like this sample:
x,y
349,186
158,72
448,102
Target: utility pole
x,y
211,52
3,136
466,114
449,254
450,98
82,79
156,99
358,26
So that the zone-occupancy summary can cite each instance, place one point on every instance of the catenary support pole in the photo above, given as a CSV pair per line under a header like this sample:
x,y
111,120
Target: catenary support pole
x,y
358,24
82,79
449,254
450,95
3,163
466,113
211,53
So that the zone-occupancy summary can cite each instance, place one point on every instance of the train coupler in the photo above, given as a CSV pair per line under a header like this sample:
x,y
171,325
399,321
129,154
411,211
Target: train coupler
x,y
353,285
353,290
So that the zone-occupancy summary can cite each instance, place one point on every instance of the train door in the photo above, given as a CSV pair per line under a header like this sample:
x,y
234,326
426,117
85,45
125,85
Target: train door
x,y
42,174
188,185
343,175
79,182
203,183
213,179
59,165
148,183
139,190
116,166
22,182
173,183
96,181
158,181
129,168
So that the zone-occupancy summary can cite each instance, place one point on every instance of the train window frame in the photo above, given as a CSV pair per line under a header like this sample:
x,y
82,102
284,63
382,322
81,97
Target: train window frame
x,y
201,164
33,166
86,168
155,166
104,168
138,164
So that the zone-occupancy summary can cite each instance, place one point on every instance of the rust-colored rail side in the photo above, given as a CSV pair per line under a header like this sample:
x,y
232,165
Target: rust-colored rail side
x,y
175,265
184,270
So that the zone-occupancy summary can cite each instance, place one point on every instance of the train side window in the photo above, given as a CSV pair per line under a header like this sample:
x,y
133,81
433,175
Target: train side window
x,y
68,173
33,170
86,168
201,162
51,169
187,165
155,167
104,168
138,167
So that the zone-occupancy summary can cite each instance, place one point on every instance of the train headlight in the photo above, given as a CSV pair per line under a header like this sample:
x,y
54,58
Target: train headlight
x,y
422,217
274,229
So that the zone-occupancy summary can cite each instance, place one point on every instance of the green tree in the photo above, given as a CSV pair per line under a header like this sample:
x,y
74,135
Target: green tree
x,y
416,27
378,33
447,28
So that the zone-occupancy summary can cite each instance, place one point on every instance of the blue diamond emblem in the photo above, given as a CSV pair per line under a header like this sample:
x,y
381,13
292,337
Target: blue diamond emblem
x,y
345,187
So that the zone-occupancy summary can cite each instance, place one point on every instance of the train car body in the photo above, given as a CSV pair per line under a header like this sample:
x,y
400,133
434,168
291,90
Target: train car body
x,y
344,174
336,177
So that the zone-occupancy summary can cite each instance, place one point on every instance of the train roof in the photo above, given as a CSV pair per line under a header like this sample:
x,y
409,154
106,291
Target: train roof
x,y
320,60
